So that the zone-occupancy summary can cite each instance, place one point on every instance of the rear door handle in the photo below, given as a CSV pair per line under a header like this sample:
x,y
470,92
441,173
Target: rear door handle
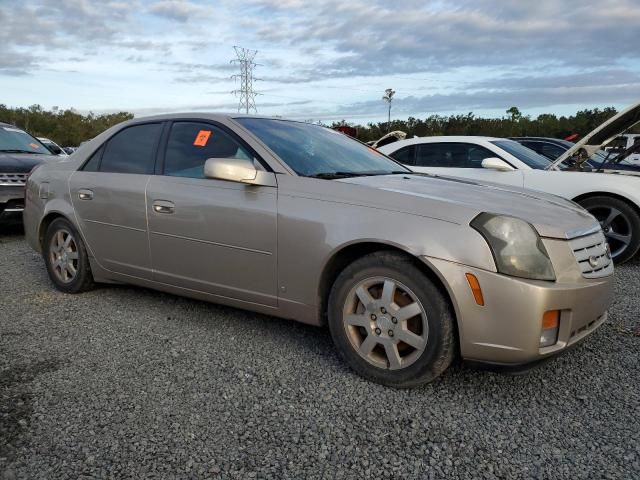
x,y
84,194
163,206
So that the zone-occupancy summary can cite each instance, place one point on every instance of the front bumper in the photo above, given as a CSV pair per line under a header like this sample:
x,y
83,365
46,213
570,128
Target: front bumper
x,y
506,330
11,202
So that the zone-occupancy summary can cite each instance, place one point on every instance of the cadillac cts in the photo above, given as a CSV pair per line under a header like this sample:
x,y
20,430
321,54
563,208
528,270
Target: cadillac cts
x,y
301,222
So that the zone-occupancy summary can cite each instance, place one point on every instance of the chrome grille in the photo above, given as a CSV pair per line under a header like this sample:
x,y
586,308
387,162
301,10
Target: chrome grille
x,y
13,179
592,255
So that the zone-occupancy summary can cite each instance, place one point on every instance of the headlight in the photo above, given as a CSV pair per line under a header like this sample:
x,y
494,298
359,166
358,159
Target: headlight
x,y
516,246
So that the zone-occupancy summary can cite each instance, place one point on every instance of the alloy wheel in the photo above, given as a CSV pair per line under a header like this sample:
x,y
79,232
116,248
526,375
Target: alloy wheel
x,y
615,225
63,255
385,323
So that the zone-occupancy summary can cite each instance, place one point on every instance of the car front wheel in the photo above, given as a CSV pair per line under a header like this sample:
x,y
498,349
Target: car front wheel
x,y
390,322
620,224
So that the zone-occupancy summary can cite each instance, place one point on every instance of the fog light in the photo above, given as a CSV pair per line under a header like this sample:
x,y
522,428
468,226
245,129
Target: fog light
x,y
550,326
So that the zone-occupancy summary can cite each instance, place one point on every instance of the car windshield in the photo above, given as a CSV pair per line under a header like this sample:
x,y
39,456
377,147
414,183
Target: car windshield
x,y
524,154
14,140
314,151
598,159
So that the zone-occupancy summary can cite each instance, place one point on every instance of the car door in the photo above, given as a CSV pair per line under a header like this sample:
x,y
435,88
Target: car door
x,y
460,159
210,235
108,196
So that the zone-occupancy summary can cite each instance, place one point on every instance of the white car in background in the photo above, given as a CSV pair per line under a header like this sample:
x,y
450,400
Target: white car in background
x,y
612,197
53,147
623,142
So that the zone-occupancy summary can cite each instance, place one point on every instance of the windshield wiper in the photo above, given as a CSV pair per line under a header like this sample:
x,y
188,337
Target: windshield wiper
x,y
17,150
336,175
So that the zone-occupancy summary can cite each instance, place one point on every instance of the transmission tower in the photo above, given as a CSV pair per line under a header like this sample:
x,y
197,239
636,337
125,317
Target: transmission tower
x,y
246,93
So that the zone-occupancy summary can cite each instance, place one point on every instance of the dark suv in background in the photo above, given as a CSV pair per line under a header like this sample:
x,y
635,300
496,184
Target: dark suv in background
x,y
19,154
552,148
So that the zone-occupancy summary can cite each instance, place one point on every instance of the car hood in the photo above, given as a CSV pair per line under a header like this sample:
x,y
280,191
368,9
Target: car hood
x,y
601,136
552,216
21,162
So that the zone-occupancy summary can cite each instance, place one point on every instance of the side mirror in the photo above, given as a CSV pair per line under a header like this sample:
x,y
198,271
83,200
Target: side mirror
x,y
230,169
495,163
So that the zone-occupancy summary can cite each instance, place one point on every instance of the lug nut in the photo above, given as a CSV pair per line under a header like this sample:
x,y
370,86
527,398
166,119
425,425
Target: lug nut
x,y
373,317
378,331
391,333
383,310
394,319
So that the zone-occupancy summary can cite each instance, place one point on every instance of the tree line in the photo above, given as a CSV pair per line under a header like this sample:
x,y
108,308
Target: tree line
x,y
70,127
513,124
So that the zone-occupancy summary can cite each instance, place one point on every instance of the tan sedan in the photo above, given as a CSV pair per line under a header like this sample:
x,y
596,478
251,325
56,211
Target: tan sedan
x,y
301,222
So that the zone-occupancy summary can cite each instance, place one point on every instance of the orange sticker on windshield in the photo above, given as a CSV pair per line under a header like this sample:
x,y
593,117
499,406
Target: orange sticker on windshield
x,y
34,145
202,138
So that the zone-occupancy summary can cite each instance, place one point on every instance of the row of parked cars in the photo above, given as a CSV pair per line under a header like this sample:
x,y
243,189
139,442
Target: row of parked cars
x,y
553,166
409,269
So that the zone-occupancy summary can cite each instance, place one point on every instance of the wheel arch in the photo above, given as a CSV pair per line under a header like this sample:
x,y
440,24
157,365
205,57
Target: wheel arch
x,y
45,222
349,253
617,196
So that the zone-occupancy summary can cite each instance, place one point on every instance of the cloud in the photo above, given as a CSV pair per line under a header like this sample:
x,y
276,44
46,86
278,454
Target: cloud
x,y
53,25
224,107
334,56
179,10
370,37
202,78
594,88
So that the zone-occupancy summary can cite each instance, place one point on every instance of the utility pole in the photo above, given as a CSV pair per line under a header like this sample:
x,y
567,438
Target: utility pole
x,y
246,93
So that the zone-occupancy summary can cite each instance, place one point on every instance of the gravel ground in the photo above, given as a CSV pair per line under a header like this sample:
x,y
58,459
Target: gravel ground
x,y
130,383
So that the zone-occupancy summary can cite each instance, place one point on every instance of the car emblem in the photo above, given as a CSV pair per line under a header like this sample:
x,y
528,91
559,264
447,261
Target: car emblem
x,y
594,261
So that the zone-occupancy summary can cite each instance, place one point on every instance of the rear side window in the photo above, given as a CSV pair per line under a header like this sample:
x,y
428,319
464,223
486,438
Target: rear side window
x,y
404,155
451,155
132,150
190,144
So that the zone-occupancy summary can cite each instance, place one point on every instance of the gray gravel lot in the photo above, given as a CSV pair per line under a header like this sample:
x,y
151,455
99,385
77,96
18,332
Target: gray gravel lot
x,y
130,383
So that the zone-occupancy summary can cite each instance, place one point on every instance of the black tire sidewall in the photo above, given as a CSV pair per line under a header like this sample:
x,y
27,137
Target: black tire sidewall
x,y
437,355
83,278
629,212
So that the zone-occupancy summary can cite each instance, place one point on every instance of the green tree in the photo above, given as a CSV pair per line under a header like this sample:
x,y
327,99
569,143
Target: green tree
x,y
65,127
388,97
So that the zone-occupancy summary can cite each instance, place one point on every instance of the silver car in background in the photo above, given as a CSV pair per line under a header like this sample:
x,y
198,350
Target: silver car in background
x,y
302,222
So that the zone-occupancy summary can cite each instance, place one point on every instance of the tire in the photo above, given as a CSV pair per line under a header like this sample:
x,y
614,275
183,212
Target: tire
x,y
65,257
619,221
355,327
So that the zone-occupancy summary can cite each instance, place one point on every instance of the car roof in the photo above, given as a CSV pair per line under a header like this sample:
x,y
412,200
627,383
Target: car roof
x,y
442,138
556,141
546,139
5,124
205,115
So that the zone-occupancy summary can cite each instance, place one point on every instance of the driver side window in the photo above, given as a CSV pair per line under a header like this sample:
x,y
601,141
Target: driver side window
x,y
190,144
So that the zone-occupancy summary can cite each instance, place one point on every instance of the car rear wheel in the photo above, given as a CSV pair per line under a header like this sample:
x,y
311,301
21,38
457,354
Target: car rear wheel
x,y
390,322
66,258
620,224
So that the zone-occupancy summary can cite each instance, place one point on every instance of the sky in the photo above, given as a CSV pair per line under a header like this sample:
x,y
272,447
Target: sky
x,y
324,59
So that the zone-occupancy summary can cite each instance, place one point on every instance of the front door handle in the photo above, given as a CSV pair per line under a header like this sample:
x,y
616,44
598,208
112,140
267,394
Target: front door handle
x,y
163,206
84,194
